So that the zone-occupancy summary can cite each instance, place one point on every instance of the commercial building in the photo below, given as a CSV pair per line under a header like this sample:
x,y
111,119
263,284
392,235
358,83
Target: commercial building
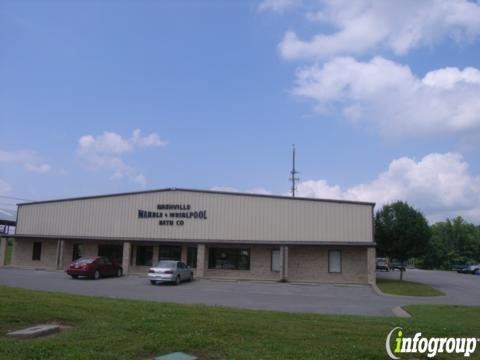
x,y
219,234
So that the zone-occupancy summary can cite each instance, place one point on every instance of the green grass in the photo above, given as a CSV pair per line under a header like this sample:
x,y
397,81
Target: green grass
x,y
127,329
409,288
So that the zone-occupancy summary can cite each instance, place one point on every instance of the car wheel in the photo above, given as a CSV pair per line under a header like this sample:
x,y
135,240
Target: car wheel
x,y
177,280
191,277
153,282
476,272
74,276
119,272
96,275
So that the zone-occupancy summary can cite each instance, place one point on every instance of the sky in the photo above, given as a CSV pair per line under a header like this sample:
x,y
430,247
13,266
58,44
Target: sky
x,y
381,99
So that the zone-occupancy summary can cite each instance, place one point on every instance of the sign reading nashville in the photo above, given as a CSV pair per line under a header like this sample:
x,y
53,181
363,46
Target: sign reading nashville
x,y
173,214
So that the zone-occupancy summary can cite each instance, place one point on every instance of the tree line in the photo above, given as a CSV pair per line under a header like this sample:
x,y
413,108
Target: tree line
x,y
403,233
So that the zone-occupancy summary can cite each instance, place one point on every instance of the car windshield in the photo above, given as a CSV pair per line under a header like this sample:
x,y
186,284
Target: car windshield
x,y
84,261
167,264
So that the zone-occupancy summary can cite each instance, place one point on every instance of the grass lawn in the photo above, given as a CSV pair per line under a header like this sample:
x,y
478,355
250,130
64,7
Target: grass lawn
x,y
397,287
127,329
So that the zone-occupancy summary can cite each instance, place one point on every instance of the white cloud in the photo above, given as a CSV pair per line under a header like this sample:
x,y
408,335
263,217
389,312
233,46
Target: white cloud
x,y
393,98
104,152
365,25
26,158
440,185
150,140
5,187
224,188
278,6
256,190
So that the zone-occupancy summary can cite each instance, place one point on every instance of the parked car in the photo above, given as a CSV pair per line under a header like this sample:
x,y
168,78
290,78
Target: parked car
x,y
470,269
94,267
170,271
462,268
382,264
397,265
459,267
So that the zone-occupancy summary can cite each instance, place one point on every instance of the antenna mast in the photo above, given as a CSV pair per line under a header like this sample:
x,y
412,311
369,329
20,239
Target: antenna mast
x,y
293,178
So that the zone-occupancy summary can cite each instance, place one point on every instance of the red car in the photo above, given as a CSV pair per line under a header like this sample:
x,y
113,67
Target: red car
x,y
94,267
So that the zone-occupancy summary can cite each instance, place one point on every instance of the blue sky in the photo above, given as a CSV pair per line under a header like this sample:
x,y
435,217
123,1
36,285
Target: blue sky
x,y
101,96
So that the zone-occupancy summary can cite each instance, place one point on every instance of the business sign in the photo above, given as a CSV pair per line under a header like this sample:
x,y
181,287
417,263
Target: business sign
x,y
173,214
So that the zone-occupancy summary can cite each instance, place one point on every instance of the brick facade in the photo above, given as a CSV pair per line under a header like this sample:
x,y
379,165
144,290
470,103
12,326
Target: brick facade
x,y
304,263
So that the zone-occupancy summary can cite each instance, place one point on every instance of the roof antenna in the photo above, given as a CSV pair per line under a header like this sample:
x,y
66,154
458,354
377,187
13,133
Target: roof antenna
x,y
293,178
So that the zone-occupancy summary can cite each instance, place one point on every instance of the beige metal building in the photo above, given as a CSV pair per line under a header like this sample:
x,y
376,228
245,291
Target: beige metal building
x,y
219,234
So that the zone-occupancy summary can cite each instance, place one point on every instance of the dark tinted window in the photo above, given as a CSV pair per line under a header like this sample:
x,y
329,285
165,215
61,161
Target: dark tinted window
x,y
77,251
144,256
37,251
229,258
168,252
192,256
113,252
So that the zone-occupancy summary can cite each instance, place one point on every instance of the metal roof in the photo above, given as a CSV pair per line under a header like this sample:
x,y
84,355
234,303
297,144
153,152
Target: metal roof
x,y
201,191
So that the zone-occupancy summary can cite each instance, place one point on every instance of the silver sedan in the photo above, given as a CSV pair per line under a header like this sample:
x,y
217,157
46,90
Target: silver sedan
x,y
170,271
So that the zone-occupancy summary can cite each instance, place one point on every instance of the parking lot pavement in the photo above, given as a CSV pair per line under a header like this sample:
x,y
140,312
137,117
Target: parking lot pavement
x,y
290,297
462,289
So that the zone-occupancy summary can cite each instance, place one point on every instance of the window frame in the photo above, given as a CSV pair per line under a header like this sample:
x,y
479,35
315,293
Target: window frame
x,y
339,251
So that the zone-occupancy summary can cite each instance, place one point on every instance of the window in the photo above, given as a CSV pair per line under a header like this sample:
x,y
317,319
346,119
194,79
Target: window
x,y
168,252
229,259
37,251
192,256
77,251
113,252
276,260
144,256
334,261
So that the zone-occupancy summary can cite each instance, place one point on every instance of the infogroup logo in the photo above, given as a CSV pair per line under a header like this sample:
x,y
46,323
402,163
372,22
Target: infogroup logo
x,y
430,346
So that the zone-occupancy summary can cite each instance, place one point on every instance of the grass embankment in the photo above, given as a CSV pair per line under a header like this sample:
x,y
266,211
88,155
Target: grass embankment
x,y
126,329
407,288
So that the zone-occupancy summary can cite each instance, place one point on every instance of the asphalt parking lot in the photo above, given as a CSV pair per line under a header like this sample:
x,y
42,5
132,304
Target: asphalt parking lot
x,y
462,289
290,297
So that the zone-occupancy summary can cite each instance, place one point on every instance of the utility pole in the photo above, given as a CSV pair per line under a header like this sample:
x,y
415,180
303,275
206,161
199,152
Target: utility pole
x,y
293,173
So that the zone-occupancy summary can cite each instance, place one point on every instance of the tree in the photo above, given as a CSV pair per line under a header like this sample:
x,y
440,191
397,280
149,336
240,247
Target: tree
x,y
453,241
401,232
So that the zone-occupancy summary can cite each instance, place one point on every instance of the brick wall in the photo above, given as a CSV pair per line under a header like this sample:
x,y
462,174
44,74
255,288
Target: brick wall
x,y
23,250
310,263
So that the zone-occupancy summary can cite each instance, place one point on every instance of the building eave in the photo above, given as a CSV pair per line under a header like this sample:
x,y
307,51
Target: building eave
x,y
196,241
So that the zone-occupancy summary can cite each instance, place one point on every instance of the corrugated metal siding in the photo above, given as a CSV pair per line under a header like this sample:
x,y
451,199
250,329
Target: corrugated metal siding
x,y
230,217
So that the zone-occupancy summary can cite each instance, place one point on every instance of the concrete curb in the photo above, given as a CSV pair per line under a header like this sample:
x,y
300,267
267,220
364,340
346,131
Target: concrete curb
x,y
399,312
377,290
